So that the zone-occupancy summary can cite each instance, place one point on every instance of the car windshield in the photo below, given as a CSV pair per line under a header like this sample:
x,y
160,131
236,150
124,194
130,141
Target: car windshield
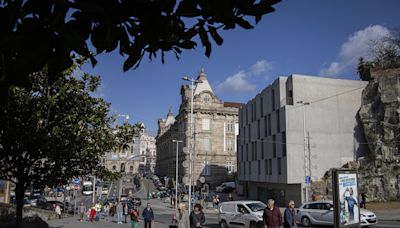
x,y
256,206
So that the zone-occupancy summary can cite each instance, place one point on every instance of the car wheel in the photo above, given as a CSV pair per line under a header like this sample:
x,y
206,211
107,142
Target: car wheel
x,y
253,225
305,222
223,224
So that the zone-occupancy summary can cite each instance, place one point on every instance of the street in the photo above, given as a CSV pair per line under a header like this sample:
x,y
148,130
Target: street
x,y
164,212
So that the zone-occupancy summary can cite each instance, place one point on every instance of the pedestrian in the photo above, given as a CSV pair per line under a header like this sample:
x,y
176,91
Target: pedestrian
x,y
363,203
92,214
289,215
214,200
120,211
148,216
197,218
112,209
182,216
230,197
272,216
134,217
58,211
217,199
106,211
126,211
82,210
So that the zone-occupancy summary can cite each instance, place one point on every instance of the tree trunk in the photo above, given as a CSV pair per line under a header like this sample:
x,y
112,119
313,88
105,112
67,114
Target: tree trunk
x,y
19,194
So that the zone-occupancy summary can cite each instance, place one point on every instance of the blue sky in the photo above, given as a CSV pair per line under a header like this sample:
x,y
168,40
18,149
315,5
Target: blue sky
x,y
313,37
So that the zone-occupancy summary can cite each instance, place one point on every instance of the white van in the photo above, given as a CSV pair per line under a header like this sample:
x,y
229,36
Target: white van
x,y
241,214
226,187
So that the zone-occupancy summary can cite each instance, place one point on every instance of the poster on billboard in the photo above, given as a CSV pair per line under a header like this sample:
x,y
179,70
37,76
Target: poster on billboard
x,y
347,211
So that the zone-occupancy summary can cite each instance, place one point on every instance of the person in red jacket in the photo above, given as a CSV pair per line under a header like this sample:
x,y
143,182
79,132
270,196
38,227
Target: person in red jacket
x,y
272,216
92,214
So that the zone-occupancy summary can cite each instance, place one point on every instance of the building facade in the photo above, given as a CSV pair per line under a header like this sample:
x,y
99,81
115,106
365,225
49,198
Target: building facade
x,y
138,158
296,127
215,129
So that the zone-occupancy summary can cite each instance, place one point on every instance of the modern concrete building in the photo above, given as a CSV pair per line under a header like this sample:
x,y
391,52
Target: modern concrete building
x,y
296,127
215,130
139,157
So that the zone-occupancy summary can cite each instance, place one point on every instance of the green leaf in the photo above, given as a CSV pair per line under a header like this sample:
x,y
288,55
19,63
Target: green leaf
x,y
217,38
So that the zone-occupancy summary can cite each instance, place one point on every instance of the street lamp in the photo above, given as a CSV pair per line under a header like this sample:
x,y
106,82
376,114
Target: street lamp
x,y
306,161
176,171
193,81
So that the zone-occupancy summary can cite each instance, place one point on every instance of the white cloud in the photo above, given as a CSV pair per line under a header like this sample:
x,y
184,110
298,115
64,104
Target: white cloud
x,y
241,81
356,46
236,83
260,67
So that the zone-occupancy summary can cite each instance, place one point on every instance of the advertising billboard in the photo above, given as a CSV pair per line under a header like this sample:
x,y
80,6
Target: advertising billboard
x,y
347,211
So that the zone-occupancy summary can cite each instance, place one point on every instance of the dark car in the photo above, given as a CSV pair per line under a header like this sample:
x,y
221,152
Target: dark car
x,y
136,201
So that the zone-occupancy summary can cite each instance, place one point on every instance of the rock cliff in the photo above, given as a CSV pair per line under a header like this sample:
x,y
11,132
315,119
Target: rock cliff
x,y
379,168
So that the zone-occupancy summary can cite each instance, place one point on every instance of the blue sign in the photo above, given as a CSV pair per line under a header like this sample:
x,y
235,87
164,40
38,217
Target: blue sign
x,y
308,180
76,181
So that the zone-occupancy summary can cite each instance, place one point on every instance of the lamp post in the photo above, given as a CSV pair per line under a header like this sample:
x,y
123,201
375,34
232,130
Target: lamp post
x,y
176,171
193,81
306,160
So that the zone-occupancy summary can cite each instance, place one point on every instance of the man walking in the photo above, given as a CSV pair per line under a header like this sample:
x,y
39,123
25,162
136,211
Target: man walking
x,y
272,216
148,216
82,210
289,215
120,211
58,211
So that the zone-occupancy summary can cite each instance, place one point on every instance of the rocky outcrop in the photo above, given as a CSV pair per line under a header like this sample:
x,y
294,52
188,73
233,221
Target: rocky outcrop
x,y
379,168
378,164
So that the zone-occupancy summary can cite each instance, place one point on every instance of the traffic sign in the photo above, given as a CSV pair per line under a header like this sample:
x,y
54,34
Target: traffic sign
x,y
76,181
202,180
76,187
308,180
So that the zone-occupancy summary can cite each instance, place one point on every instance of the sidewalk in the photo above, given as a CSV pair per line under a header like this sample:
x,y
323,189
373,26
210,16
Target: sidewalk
x,y
73,222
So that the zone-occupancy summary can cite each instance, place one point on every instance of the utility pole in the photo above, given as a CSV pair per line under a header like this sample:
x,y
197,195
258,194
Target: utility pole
x,y
193,81
176,171
94,190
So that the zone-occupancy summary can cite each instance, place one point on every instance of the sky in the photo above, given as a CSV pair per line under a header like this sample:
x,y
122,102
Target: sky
x,y
311,37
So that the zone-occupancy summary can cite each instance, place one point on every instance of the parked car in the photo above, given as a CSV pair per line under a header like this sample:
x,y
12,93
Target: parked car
x,y
241,214
226,187
321,213
136,201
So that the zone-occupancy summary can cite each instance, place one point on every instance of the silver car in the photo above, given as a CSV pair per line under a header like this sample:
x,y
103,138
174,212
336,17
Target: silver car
x,y
241,214
321,213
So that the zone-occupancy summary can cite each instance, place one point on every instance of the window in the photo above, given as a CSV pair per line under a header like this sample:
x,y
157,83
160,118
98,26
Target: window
x,y
255,110
266,167
114,167
284,144
229,167
278,121
242,209
206,144
259,167
247,151
247,115
261,106
289,98
244,168
230,126
229,145
270,166
274,145
131,149
273,99
206,98
131,168
265,126
279,166
249,135
206,124
206,168
269,124
256,150
258,129
262,148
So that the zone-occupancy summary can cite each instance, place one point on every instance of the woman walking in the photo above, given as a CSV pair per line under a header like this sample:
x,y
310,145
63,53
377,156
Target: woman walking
x,y
197,217
134,217
182,216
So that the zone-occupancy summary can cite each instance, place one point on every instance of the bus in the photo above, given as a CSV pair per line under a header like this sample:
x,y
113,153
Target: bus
x,y
87,188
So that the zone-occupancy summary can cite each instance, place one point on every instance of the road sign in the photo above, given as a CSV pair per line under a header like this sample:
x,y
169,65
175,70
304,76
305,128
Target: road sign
x,y
76,187
76,181
308,180
185,180
185,164
202,180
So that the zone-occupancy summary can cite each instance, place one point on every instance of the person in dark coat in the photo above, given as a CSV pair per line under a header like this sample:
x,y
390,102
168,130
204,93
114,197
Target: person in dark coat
x,y
197,218
148,216
272,216
288,221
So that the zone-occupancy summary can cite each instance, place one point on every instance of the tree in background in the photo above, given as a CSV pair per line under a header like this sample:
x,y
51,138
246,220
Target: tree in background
x,y
53,132
35,33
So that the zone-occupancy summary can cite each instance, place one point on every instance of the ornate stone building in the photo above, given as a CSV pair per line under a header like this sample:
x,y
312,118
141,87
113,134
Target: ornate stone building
x,y
139,157
215,127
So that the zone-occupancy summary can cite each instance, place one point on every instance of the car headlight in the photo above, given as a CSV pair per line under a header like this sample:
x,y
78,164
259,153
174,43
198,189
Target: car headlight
x,y
363,216
260,216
